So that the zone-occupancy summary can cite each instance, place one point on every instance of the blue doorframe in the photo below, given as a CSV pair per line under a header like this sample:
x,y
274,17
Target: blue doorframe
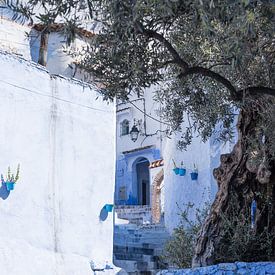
x,y
126,185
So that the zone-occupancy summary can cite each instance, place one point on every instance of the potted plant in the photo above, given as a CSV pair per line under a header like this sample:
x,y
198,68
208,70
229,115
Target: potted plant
x,y
176,169
194,174
182,170
11,179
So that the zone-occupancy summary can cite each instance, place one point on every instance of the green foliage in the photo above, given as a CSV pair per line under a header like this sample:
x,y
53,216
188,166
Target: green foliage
x,y
11,177
180,249
239,242
47,12
202,54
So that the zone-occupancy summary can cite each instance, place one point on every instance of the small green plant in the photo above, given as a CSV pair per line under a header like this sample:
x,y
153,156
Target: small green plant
x,y
174,163
178,251
195,168
182,165
11,177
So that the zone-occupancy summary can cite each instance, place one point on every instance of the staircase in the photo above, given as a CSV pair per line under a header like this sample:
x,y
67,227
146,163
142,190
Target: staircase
x,y
135,214
137,248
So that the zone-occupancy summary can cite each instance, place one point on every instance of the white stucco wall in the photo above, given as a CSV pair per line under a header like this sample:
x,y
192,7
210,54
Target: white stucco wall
x,y
64,140
179,191
136,111
58,59
13,38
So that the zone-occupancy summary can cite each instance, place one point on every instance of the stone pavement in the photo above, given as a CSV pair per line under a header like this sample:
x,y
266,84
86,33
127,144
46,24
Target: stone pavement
x,y
258,268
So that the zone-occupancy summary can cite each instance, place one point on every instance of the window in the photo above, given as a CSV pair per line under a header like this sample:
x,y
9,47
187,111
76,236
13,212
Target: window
x,y
124,127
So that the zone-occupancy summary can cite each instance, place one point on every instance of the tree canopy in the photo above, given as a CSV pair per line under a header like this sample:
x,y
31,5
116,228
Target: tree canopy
x,y
206,56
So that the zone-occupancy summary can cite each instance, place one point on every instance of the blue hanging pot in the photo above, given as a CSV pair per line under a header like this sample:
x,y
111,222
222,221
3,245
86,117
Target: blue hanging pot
x,y
182,171
253,213
109,207
194,175
10,185
176,170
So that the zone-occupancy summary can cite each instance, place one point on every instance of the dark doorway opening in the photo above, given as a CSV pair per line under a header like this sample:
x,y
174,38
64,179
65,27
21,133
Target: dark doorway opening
x,y
143,181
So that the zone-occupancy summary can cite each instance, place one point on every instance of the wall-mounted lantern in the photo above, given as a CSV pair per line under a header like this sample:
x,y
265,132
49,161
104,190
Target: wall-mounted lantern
x,y
134,132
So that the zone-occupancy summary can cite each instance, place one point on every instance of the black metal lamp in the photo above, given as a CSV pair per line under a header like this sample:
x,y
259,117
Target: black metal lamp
x,y
134,132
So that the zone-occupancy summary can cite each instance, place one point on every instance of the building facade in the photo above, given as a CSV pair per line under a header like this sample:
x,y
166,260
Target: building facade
x,y
136,151
58,218
145,168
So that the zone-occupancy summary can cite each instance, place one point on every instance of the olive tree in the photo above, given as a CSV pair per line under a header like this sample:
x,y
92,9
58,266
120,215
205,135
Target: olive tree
x,y
212,60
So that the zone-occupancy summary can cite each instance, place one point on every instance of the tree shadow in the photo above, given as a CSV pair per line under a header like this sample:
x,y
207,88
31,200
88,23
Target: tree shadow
x,y
4,193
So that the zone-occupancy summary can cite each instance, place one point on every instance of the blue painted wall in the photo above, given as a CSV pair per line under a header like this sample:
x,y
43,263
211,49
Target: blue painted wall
x,y
126,174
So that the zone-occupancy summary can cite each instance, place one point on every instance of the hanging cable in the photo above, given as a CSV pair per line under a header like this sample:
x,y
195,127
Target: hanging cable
x,y
54,97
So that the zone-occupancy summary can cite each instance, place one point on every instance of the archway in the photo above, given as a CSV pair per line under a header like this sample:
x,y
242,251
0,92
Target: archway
x,y
142,181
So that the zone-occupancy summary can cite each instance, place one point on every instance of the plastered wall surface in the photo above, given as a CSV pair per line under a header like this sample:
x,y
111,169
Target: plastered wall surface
x,y
13,38
63,139
179,191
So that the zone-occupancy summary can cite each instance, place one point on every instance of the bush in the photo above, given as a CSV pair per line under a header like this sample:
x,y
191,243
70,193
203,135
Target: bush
x,y
239,242
179,250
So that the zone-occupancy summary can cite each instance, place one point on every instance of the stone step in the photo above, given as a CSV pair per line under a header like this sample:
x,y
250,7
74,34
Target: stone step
x,y
129,266
137,248
134,266
145,218
134,214
140,246
125,239
136,257
132,207
128,257
142,234
143,238
133,249
141,228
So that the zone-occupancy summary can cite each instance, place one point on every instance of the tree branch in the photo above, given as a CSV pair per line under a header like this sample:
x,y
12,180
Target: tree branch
x,y
207,72
234,93
219,64
259,90
153,34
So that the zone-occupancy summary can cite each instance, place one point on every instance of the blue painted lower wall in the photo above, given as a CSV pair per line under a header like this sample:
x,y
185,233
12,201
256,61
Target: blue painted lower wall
x,y
257,268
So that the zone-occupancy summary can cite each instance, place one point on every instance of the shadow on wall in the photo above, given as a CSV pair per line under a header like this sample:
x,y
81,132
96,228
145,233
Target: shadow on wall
x,y
4,193
105,211
103,214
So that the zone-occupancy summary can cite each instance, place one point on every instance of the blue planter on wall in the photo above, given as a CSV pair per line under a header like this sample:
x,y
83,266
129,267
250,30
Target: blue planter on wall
x,y
176,171
182,171
109,207
194,175
10,185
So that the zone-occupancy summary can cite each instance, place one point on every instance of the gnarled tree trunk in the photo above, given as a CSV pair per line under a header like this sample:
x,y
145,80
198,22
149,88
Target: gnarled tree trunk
x,y
239,177
43,49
